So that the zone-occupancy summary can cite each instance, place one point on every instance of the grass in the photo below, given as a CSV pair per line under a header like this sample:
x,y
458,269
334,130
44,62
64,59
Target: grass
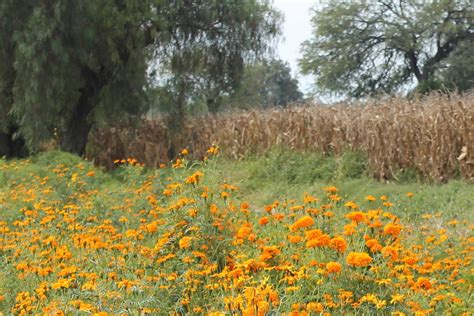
x,y
183,240
288,175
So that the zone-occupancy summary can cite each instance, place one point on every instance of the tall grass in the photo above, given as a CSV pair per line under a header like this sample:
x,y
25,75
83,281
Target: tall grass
x,y
432,136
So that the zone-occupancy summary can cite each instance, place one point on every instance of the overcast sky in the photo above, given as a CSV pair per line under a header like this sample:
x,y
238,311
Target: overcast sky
x,y
296,29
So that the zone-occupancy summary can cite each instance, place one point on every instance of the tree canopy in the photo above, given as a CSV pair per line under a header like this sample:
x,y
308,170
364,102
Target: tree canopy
x,y
268,83
364,47
69,66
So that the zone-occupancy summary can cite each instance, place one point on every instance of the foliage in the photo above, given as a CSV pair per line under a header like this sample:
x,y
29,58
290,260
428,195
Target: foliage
x,y
68,66
183,240
362,48
206,55
266,84
458,70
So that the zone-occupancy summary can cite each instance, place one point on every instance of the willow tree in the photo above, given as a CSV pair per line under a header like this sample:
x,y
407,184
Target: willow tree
x,y
68,66
364,47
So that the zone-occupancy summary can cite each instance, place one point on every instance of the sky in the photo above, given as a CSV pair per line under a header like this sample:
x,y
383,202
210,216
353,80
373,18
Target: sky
x,y
296,29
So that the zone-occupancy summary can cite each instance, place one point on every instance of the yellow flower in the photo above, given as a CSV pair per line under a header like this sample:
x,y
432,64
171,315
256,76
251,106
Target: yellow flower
x,y
185,242
397,298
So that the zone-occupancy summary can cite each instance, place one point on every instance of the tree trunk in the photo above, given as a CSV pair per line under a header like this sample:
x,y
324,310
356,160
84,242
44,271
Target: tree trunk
x,y
74,137
11,146
5,150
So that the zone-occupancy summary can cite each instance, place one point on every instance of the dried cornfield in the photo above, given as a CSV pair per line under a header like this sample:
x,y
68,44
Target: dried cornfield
x,y
433,135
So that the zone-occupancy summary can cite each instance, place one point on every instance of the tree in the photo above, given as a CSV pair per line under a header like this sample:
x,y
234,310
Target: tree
x,y
458,70
363,47
268,83
68,66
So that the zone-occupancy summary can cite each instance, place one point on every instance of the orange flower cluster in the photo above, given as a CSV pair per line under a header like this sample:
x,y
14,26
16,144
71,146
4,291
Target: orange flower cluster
x,y
76,241
359,259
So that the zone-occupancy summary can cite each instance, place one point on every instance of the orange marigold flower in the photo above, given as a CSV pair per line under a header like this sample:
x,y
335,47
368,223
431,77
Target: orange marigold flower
x,y
268,252
303,222
244,231
331,189
338,243
333,267
264,221
315,307
373,245
312,234
194,178
349,229
294,239
371,198
390,252
392,229
185,242
423,283
358,259
356,216
410,260
320,241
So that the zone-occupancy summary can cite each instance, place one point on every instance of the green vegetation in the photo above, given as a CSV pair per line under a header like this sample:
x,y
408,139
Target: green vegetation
x,y
283,174
305,236
288,175
361,48
68,67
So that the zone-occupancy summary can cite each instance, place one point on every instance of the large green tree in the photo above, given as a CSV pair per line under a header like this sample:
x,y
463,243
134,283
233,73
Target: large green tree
x,y
365,47
457,72
68,66
265,84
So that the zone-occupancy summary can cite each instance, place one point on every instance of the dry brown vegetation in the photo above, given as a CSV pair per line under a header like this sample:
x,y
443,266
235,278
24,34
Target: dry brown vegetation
x,y
433,135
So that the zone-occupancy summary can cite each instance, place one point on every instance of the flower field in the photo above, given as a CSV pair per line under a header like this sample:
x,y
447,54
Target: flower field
x,y
76,240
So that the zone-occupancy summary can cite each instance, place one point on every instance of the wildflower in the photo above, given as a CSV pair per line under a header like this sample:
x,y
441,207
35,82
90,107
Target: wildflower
x,y
371,198
213,150
268,252
244,231
185,242
320,241
392,229
331,189
263,221
338,243
315,307
423,283
373,245
313,234
184,152
333,267
349,229
294,239
194,178
396,298
351,205
358,259
357,217
391,252
303,222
